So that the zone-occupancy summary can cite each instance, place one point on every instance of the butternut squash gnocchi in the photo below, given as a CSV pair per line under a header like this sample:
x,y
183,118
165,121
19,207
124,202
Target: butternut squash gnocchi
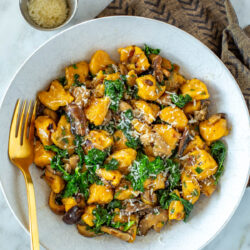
x,y
126,146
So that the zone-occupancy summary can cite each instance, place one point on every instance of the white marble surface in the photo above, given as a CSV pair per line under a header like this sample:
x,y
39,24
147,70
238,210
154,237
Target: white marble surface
x,y
18,41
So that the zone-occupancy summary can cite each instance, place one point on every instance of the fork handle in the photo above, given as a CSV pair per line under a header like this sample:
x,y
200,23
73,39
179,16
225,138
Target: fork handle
x,y
32,211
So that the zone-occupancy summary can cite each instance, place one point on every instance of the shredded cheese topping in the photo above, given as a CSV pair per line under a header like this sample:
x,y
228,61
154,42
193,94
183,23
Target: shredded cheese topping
x,y
48,13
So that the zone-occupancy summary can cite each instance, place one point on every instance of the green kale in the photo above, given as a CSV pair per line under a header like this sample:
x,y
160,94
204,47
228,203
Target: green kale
x,y
79,150
126,225
166,198
95,157
149,50
72,187
218,151
174,173
198,170
77,82
123,78
132,91
114,90
126,127
110,128
162,197
102,216
80,181
143,169
63,81
180,100
112,165
114,204
56,162
187,205
87,178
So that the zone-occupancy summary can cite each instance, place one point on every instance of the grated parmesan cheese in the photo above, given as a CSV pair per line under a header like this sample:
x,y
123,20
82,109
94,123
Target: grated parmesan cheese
x,y
48,13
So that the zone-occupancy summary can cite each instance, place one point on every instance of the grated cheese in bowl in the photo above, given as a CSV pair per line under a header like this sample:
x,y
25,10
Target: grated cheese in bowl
x,y
48,13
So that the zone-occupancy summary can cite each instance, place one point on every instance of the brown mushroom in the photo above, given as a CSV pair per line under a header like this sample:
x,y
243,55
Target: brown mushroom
x,y
117,233
165,99
149,197
160,147
82,229
53,171
123,69
201,114
55,205
78,119
82,95
185,139
155,219
156,65
135,206
73,215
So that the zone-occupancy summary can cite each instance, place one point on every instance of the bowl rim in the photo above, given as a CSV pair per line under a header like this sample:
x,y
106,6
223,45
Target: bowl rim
x,y
236,204
37,27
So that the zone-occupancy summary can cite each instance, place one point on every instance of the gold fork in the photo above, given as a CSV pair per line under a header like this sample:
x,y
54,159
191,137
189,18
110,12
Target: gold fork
x,y
21,144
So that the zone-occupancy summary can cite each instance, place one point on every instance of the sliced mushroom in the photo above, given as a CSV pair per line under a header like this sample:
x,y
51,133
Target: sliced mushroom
x,y
73,215
149,197
161,148
73,160
156,64
82,229
155,220
107,118
201,114
50,169
123,106
123,69
78,119
55,205
135,206
185,139
117,233
165,99
82,95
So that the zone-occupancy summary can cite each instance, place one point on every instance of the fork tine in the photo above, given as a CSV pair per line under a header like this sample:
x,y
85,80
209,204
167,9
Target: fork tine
x,y
20,126
14,122
25,131
31,132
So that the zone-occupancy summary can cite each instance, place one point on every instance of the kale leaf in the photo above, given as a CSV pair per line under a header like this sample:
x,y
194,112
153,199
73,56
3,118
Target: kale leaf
x,y
132,91
174,173
110,128
112,165
126,127
63,80
180,100
56,162
79,150
114,204
95,157
102,216
166,198
218,151
77,82
143,169
187,205
149,50
114,90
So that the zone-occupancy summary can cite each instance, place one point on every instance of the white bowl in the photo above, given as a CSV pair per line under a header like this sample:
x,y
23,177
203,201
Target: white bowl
x,y
196,60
